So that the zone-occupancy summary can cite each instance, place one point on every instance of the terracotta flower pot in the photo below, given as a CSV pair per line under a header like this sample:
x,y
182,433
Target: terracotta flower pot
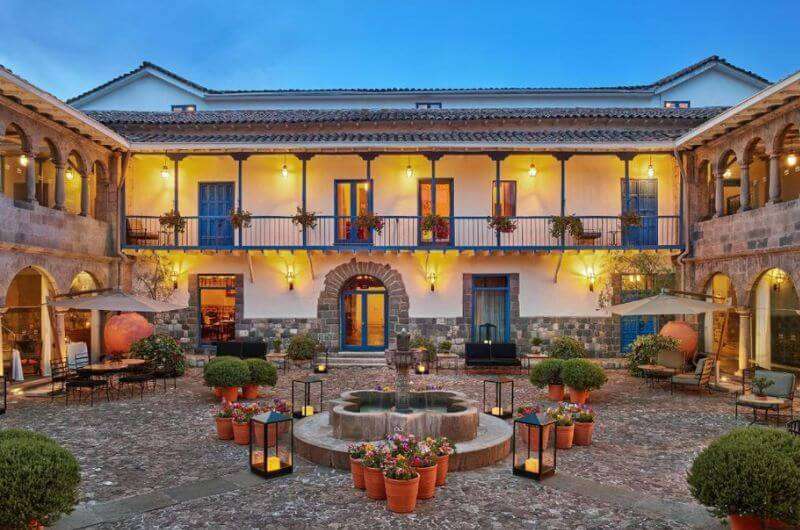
x,y
442,465
401,495
555,392
564,436
229,393
224,428
529,436
578,396
218,392
374,484
35,525
357,471
250,392
583,433
744,522
427,482
241,433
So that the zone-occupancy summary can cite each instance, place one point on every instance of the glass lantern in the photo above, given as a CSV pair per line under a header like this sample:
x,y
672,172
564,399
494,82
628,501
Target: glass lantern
x,y
534,446
421,368
271,444
320,362
498,397
306,397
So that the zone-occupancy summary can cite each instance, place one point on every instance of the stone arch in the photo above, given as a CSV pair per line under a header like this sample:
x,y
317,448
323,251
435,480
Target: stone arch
x,y
25,140
780,135
335,279
750,148
727,158
78,160
84,281
52,148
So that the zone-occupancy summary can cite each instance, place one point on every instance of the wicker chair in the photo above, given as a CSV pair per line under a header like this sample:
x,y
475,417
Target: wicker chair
x,y
699,379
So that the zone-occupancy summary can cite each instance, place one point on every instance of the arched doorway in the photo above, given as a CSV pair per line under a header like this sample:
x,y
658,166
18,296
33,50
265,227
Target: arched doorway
x,y
363,314
27,323
776,321
721,289
79,325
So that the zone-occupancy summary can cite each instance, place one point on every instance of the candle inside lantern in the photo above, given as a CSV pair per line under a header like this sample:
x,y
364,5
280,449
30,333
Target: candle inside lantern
x,y
497,411
421,369
320,368
532,465
308,411
273,463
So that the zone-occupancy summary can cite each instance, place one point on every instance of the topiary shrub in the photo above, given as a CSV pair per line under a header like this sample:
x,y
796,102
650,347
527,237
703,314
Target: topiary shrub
x,y
546,372
38,479
567,348
750,471
426,345
301,347
645,349
161,351
445,346
262,372
226,372
582,374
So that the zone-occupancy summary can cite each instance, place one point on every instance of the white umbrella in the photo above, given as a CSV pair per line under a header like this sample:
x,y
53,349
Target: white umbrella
x,y
667,304
114,301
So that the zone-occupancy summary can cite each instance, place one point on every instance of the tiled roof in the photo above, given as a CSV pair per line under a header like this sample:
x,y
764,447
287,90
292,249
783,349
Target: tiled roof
x,y
523,137
700,64
113,118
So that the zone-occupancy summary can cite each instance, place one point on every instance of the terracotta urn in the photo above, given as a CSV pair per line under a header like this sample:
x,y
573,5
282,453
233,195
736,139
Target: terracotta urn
x,y
401,495
555,392
250,392
122,330
442,465
686,335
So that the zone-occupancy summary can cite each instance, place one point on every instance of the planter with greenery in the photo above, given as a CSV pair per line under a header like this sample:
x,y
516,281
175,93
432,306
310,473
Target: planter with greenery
x,y
241,218
224,420
304,219
262,373
302,347
437,224
445,346
565,426
426,345
582,376
241,415
645,350
760,384
563,224
548,373
369,221
567,348
228,374
172,221
276,344
630,218
536,345
584,426
750,475
38,479
502,223
163,352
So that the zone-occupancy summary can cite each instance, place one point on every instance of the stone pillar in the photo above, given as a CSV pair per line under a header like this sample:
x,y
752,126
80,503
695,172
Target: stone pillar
x,y
744,193
61,187
774,178
84,195
61,334
30,179
719,195
744,338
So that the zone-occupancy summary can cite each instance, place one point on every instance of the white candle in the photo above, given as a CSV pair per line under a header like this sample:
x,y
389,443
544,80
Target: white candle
x,y
273,463
308,411
320,368
532,465
497,411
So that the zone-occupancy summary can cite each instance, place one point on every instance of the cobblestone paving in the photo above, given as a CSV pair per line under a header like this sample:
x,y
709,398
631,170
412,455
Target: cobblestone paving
x,y
644,440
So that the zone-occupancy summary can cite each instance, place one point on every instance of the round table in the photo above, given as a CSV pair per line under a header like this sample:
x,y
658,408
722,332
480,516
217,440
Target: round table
x,y
112,366
653,372
765,403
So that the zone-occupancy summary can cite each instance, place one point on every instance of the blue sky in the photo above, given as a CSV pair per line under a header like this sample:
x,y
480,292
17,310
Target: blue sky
x,y
69,47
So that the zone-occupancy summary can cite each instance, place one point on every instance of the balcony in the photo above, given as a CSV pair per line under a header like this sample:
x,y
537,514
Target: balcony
x,y
400,233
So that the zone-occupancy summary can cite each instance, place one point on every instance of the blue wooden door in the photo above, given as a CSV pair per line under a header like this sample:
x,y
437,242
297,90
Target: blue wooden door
x,y
644,201
214,208
633,326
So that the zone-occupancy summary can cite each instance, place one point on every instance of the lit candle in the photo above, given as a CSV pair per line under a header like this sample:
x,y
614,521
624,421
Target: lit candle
x,y
320,368
497,411
308,411
273,463
421,369
532,465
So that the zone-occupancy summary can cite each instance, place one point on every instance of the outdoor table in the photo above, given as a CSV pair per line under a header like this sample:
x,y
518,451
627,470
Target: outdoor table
x,y
656,372
532,358
765,403
109,369
447,360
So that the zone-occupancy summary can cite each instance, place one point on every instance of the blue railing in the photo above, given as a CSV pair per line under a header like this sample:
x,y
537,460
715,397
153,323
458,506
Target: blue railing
x,y
401,232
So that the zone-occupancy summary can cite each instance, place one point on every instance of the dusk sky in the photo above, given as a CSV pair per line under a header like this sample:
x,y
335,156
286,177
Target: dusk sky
x,y
69,47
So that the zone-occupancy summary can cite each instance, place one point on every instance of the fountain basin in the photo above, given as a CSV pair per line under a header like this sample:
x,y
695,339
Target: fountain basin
x,y
370,415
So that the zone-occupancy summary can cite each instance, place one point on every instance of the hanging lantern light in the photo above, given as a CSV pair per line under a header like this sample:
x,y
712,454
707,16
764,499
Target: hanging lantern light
x,y
69,175
23,160
791,159
409,170
285,169
164,172
532,171
651,171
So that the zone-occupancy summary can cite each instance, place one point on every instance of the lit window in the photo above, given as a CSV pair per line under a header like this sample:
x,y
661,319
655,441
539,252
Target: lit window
x,y
429,104
677,104
507,205
184,108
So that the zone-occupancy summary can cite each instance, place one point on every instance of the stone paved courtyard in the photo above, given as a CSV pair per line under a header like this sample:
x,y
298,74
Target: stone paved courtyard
x,y
632,477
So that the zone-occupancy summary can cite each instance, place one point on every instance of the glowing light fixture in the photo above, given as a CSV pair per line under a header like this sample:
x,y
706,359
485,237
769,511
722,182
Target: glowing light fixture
x,y
23,160
68,174
285,169
432,278
791,159
778,277
290,276
421,369
727,173
592,277
409,170
532,171
164,172
651,171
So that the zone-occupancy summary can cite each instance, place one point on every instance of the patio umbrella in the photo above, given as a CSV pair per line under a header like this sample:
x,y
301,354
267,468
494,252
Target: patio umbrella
x,y
666,304
114,301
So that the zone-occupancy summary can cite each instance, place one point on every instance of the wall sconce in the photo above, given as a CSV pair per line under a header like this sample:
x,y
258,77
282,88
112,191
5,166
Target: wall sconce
x,y
164,172
23,160
285,169
290,278
727,173
174,277
592,277
651,171
532,171
432,278
69,175
791,159
778,277
409,170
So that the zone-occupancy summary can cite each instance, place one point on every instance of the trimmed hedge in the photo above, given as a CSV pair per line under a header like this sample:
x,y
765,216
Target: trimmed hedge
x,y
646,348
302,347
567,348
162,351
226,371
582,374
262,372
750,471
546,372
426,345
38,479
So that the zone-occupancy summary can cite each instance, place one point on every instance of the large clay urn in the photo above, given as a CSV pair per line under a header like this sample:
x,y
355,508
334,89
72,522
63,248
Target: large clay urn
x,y
686,335
123,330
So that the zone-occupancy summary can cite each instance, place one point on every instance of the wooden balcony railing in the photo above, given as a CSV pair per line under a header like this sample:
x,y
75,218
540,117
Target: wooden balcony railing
x,y
400,233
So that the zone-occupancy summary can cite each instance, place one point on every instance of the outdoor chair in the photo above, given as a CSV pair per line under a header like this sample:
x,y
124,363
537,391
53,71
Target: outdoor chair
x,y
794,427
162,373
136,233
139,376
59,373
699,379
671,359
76,382
782,389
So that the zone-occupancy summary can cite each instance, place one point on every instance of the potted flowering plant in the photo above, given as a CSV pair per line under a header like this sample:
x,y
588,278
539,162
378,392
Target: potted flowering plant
x,y
241,218
357,451
424,462
304,219
242,414
443,448
565,425
401,444
584,426
760,384
402,484
501,223
172,221
630,218
372,461
563,224
368,221
527,435
223,417
437,224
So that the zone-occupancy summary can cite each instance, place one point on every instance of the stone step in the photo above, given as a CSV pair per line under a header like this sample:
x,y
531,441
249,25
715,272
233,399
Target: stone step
x,y
359,354
337,365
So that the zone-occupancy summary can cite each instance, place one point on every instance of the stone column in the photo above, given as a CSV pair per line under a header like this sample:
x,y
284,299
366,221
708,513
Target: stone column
x,y
30,179
719,195
774,178
61,187
84,195
744,194
61,334
744,338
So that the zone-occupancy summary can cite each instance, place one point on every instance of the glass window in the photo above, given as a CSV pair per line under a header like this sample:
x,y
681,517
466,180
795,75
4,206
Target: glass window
x,y
506,203
677,104
490,317
217,296
429,104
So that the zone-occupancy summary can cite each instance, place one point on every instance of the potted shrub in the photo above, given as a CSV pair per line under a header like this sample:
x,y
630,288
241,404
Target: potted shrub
x,y
565,426
424,462
357,452
224,420
228,374
501,223
302,347
276,344
445,346
760,384
426,345
39,480
645,349
563,224
536,345
751,476
241,416
262,373
582,376
584,426
548,373
368,221
373,474
564,347
401,483
172,221
241,218
304,219
443,448
163,352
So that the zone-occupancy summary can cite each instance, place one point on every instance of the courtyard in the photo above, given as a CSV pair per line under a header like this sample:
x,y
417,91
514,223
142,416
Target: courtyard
x,y
156,462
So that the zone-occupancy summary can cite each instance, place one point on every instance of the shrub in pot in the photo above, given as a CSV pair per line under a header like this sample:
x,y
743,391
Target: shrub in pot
x,y
402,485
38,479
241,416
262,373
584,426
750,475
302,347
426,345
424,462
565,425
443,448
645,349
227,373
163,352
536,345
357,452
566,348
372,461
548,373
445,346
582,376
224,420
276,344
